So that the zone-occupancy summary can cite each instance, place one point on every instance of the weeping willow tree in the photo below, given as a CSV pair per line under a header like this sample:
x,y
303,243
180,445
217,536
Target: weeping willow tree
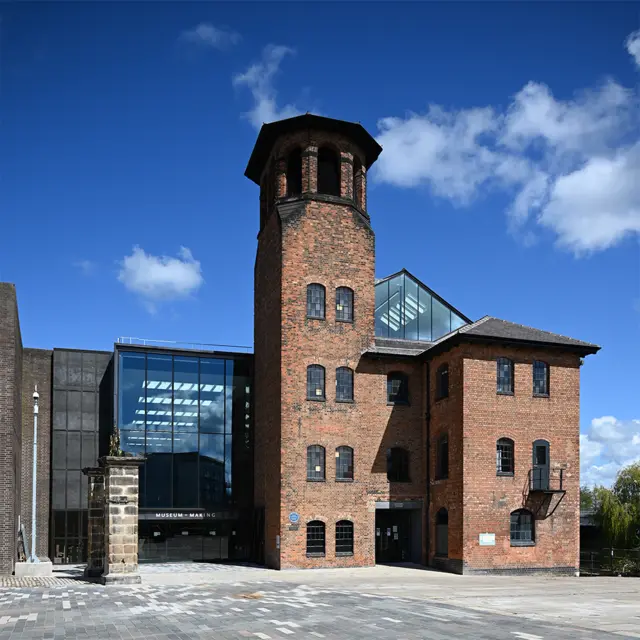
x,y
618,508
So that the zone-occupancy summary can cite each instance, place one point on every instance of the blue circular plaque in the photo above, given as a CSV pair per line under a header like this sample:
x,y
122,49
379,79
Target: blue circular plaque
x,y
294,517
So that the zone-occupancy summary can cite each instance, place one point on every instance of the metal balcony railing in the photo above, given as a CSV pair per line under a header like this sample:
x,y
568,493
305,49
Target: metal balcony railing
x,y
192,346
546,480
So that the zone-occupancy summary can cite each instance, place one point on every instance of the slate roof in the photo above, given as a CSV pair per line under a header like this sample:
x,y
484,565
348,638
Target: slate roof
x,y
390,347
487,328
271,131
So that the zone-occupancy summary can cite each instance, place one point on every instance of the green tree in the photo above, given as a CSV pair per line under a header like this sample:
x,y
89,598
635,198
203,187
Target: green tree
x,y
587,499
618,508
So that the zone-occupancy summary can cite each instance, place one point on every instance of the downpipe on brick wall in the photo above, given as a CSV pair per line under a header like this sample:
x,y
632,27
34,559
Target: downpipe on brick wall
x,y
36,397
428,500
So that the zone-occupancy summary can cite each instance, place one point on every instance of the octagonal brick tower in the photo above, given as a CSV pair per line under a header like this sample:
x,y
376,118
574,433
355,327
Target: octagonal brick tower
x,y
314,230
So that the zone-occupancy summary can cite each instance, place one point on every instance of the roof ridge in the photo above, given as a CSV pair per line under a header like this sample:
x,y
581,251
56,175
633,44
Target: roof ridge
x,y
559,335
473,325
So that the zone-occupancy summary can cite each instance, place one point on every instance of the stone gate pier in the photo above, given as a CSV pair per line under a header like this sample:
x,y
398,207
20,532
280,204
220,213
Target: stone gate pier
x,y
113,520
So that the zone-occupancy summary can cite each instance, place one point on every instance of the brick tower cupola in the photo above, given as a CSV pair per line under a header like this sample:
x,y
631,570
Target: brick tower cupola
x,y
314,313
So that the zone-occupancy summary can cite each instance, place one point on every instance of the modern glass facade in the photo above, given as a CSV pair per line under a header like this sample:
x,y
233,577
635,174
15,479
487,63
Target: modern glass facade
x,y
406,310
81,408
190,416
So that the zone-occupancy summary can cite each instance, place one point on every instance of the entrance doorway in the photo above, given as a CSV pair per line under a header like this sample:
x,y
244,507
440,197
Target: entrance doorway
x,y
397,535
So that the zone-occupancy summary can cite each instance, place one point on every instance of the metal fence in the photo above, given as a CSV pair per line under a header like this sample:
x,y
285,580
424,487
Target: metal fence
x,y
172,344
610,562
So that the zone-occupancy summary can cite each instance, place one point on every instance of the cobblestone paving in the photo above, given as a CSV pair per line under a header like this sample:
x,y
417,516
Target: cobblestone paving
x,y
259,609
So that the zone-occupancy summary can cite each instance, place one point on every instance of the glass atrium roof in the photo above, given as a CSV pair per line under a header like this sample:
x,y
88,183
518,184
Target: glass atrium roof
x,y
408,310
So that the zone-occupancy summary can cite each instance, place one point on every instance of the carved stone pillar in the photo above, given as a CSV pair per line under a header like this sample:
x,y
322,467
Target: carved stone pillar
x,y
120,519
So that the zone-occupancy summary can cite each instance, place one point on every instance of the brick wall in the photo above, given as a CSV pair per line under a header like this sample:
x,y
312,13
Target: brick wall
x,y
36,369
10,424
326,245
267,416
489,499
328,241
446,419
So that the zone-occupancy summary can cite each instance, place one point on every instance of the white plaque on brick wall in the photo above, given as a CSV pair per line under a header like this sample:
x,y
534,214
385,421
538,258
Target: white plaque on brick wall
x,y
487,539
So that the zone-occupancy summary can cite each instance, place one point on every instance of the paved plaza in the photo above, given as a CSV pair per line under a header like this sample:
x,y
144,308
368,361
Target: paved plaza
x,y
218,601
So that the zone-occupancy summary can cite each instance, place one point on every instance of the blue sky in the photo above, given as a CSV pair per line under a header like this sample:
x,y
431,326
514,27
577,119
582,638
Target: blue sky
x,y
508,181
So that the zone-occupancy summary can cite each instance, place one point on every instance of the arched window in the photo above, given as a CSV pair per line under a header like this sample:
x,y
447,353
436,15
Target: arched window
x,y
522,528
294,173
344,463
442,458
328,171
442,381
504,380
344,384
315,462
442,533
397,388
315,538
357,182
344,538
315,382
344,304
397,465
315,301
504,457
540,378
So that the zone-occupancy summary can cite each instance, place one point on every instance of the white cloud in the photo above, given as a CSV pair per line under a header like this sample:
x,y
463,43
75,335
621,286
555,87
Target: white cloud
x,y
608,445
633,46
258,78
206,35
569,166
597,205
87,267
160,278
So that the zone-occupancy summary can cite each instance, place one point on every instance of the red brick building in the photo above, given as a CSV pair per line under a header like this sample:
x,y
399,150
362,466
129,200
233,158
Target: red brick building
x,y
388,425
373,423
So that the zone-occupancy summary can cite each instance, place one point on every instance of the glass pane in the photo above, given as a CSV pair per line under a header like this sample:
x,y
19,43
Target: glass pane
x,y
424,316
73,450
382,309
228,395
159,395
59,527
58,489
541,454
185,470
59,451
131,391
211,471
73,524
228,466
158,470
89,410
74,410
74,480
411,309
89,457
60,368
395,314
185,394
456,321
132,442
74,360
441,318
211,395
88,370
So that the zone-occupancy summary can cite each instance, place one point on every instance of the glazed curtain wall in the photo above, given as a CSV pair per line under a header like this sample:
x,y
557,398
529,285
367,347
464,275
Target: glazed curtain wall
x,y
407,311
190,417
